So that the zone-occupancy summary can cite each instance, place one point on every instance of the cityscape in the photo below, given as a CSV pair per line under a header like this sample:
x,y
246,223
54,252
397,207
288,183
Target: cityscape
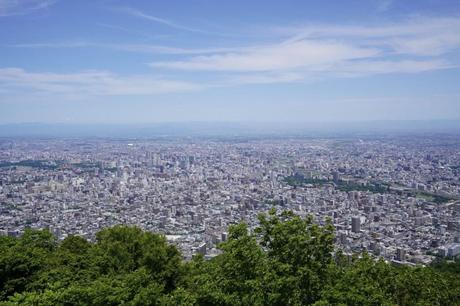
x,y
395,197
229,153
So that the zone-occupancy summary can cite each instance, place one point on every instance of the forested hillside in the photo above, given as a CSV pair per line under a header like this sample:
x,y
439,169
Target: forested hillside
x,y
288,260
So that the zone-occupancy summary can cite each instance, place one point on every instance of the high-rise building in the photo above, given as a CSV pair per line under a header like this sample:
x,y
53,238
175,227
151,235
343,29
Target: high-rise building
x,y
335,176
356,224
201,249
400,254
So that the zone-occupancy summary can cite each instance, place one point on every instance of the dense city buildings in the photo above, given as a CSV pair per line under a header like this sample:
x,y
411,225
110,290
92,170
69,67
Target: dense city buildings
x,y
394,197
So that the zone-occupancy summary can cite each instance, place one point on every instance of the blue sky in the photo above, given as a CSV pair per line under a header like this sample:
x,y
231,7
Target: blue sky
x,y
162,61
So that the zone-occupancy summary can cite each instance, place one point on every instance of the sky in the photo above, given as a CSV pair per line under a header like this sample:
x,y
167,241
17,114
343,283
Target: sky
x,y
101,61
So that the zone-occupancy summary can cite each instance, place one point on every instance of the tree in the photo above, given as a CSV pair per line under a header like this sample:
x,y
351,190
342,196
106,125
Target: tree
x,y
234,277
287,260
300,255
123,249
21,260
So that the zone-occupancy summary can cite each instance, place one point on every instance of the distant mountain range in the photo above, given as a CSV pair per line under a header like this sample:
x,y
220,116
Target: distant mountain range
x,y
230,129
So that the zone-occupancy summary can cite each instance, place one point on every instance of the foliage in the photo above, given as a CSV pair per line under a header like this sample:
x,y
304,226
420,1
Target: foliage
x,y
40,164
286,260
346,186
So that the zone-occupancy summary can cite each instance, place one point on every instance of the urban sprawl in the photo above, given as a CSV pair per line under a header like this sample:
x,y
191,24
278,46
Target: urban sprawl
x,y
394,197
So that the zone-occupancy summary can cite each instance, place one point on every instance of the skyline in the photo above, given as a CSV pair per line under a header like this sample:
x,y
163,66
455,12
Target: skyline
x,y
296,61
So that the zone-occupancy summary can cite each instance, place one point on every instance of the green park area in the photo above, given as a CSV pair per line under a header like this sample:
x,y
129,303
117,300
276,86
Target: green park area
x,y
340,185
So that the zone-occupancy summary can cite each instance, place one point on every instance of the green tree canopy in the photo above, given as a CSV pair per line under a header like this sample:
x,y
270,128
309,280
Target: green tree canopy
x,y
286,260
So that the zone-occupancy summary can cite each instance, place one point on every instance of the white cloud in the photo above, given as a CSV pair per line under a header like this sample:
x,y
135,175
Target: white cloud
x,y
384,5
62,44
321,51
171,24
302,53
414,36
165,22
141,48
284,56
368,67
22,7
411,26
345,69
92,83
427,46
264,78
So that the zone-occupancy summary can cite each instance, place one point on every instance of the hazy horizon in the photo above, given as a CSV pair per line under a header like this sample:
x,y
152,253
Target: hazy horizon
x,y
231,129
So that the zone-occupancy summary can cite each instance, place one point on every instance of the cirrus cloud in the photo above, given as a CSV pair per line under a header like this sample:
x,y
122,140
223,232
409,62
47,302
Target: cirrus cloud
x,y
90,83
22,7
319,51
289,55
